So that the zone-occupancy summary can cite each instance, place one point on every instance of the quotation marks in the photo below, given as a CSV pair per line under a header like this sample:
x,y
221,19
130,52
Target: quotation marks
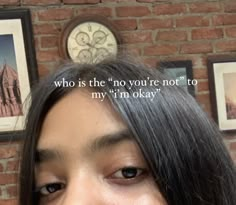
x,y
114,90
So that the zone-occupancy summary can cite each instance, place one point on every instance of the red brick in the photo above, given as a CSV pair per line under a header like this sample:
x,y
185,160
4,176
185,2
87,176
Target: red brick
x,y
11,191
204,60
55,14
207,108
126,24
202,86
49,41
12,165
233,156
103,11
8,202
151,62
227,19
137,37
207,33
116,1
200,61
8,152
192,21
1,169
133,11
40,2
200,73
37,42
192,48
47,28
34,16
81,1
172,36
155,23
203,98
204,7
10,2
226,46
8,178
230,7
43,69
134,51
168,9
148,1
160,50
218,20
232,146
47,56
231,32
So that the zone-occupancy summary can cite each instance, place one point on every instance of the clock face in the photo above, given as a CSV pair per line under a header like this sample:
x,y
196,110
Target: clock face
x,y
91,42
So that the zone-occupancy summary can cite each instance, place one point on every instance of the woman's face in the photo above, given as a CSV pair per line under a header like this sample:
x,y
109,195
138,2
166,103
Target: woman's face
x,y
86,155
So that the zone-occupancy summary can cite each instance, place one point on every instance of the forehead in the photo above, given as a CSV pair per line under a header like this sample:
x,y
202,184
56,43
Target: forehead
x,y
77,119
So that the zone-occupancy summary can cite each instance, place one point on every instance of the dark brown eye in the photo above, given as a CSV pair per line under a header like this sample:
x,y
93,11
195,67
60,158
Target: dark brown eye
x,y
51,188
128,173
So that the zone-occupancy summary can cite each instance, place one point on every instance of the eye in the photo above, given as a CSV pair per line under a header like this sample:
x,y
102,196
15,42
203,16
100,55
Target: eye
x,y
128,173
50,188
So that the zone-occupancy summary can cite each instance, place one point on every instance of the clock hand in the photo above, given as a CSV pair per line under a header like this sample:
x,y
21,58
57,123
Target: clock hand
x,y
100,39
91,46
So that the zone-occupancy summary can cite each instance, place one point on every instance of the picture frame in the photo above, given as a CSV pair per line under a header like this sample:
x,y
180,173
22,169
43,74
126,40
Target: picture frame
x,y
222,85
18,70
181,70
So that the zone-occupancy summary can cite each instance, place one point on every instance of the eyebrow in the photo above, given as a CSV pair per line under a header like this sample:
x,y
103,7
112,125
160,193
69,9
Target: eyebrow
x,y
46,155
100,143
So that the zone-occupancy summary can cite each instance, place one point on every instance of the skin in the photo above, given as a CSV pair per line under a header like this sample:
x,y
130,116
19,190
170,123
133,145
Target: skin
x,y
87,156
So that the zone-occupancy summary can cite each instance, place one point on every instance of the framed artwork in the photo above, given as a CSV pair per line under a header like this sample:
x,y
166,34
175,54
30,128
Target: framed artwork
x,y
18,70
181,70
222,85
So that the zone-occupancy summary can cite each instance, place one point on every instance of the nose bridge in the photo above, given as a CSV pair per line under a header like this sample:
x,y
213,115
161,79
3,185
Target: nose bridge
x,y
82,191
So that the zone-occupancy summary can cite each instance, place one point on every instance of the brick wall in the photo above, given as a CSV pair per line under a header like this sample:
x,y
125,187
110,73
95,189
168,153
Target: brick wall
x,y
154,29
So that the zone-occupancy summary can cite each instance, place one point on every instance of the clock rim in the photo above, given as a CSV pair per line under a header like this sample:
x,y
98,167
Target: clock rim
x,y
69,27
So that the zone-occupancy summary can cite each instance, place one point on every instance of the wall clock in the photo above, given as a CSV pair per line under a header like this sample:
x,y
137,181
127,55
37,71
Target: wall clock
x,y
89,39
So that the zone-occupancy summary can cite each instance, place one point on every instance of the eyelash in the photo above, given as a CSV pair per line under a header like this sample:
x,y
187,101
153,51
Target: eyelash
x,y
130,172
45,189
133,175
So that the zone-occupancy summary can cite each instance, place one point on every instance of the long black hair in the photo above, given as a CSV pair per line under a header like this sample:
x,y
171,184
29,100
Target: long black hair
x,y
182,147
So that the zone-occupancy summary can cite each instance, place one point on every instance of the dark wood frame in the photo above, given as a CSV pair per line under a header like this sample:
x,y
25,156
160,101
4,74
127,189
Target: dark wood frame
x,y
81,19
180,64
25,17
211,80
